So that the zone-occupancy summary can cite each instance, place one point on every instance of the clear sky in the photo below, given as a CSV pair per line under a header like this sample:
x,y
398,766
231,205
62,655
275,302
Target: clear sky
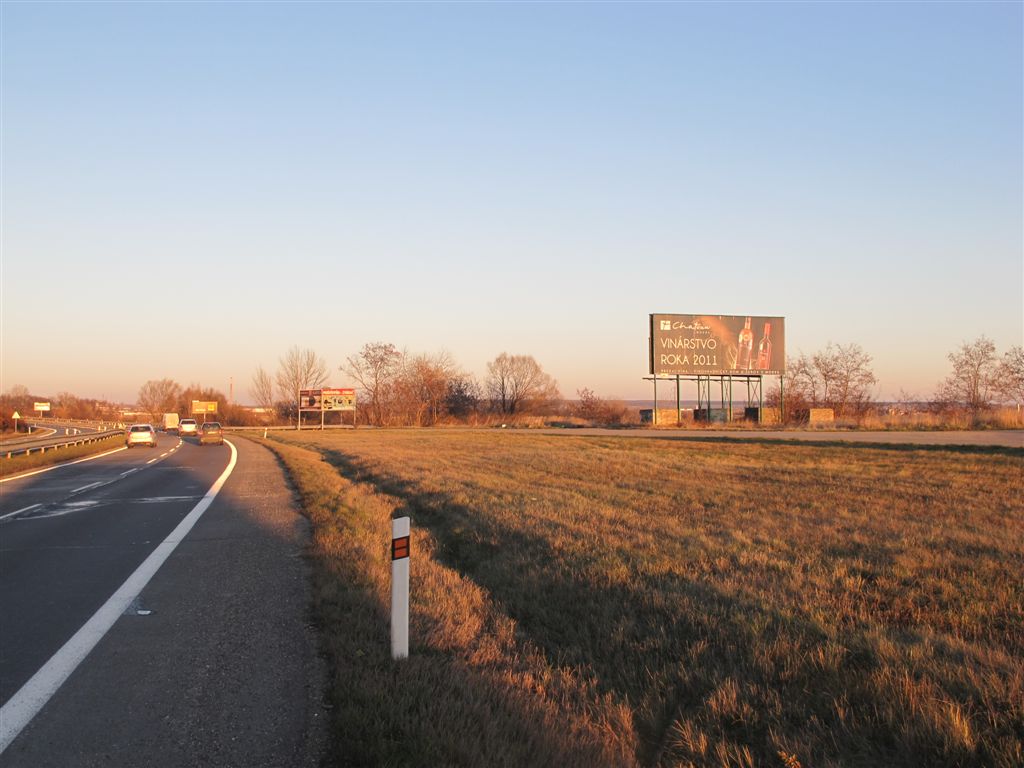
x,y
191,188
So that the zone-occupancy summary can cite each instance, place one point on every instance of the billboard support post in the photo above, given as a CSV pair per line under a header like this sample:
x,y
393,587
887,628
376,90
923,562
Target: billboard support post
x,y
679,403
654,413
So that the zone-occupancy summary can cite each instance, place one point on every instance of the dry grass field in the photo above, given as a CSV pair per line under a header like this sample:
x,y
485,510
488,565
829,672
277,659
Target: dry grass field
x,y
600,601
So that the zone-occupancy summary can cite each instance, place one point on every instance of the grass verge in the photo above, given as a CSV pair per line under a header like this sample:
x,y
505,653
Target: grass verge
x,y
23,463
597,601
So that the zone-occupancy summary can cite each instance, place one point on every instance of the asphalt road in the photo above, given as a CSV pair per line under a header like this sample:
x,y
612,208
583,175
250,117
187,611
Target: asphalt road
x,y
82,530
213,663
52,433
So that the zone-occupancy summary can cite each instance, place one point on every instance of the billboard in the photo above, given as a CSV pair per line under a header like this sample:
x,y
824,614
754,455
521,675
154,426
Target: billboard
x,y
327,399
41,407
717,345
203,406
339,399
309,399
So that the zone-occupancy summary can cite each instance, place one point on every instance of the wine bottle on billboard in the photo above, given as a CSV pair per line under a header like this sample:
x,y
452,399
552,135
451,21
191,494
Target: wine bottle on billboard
x,y
764,349
745,353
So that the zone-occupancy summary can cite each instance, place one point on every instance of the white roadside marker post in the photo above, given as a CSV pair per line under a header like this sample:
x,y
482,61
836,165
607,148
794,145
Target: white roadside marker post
x,y
400,588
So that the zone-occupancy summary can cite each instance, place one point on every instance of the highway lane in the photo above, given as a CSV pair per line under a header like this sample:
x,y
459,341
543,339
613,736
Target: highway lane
x,y
70,537
216,662
48,434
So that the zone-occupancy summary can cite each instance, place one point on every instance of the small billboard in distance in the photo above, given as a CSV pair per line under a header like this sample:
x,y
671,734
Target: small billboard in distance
x,y
714,345
310,400
203,406
339,399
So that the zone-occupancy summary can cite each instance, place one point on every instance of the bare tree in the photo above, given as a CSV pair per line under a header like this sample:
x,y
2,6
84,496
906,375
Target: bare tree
x,y
803,387
423,386
463,396
158,396
374,369
68,406
300,369
196,391
262,388
516,382
19,395
847,376
838,377
1010,375
973,380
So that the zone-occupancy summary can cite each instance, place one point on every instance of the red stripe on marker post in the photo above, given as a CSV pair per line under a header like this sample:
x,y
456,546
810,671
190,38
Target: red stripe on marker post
x,y
400,548
400,588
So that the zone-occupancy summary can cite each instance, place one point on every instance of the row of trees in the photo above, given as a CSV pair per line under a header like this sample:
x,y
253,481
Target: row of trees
x,y
160,396
63,405
399,388
980,377
396,387
840,377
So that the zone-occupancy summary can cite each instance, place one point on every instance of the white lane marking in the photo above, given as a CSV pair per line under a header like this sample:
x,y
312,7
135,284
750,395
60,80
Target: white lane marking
x,y
63,464
19,511
33,695
158,499
164,454
125,474
87,487
153,459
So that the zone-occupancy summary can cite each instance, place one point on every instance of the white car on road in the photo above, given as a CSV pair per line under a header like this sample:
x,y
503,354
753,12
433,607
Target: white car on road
x,y
188,427
140,434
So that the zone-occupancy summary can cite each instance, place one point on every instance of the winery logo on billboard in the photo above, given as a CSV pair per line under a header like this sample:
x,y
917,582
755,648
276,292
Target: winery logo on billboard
x,y
717,345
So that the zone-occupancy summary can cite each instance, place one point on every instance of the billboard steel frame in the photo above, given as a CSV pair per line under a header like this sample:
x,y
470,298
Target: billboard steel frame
x,y
755,390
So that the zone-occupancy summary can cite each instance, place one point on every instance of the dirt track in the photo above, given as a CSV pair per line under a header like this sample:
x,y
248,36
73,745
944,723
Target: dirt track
x,y
998,438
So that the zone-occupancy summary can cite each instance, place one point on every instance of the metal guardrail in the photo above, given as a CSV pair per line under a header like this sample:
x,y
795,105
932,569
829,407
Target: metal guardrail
x,y
9,451
48,430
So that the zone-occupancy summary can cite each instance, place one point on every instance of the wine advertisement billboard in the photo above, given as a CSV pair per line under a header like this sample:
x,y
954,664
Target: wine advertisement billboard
x,y
717,345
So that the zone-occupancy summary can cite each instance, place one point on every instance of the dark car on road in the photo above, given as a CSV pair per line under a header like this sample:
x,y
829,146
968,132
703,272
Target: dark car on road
x,y
211,434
